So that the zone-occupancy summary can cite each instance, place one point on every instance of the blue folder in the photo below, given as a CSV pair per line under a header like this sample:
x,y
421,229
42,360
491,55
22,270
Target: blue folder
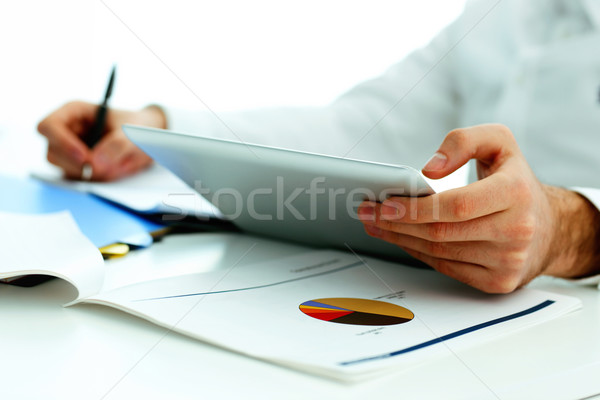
x,y
101,222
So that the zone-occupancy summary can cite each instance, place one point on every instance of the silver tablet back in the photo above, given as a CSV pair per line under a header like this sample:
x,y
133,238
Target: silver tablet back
x,y
289,195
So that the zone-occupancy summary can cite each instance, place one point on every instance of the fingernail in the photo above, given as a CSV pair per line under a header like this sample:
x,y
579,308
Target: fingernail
x,y
436,162
366,214
391,211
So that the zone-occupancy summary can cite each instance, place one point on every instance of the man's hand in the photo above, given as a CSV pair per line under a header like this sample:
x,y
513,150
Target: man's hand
x,y
495,234
113,157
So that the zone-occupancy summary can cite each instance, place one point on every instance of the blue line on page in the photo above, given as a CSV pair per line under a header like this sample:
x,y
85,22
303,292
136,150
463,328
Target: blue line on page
x,y
452,335
356,264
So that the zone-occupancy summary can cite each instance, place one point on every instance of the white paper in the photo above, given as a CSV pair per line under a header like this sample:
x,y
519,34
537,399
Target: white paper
x,y
49,244
155,190
254,309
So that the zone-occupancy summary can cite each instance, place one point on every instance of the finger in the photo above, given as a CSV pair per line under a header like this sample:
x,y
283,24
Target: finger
x,y
482,252
489,144
488,228
71,168
132,163
75,117
116,157
62,129
367,211
135,161
66,148
471,274
108,155
480,198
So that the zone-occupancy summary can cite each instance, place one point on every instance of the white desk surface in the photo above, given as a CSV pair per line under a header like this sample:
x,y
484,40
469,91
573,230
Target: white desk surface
x,y
95,352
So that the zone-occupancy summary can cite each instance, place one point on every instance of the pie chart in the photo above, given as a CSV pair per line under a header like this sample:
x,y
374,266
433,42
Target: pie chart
x,y
353,311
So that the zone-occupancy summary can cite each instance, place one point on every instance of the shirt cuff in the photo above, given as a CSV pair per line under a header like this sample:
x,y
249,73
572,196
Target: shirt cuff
x,y
593,195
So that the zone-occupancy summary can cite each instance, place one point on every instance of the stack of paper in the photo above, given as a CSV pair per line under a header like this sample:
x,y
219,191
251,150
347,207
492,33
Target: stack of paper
x,y
153,191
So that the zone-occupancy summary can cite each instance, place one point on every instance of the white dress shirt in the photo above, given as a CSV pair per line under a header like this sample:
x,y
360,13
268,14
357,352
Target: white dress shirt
x,y
533,65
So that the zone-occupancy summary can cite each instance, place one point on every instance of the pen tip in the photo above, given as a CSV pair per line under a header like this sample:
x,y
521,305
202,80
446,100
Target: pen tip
x,y
111,81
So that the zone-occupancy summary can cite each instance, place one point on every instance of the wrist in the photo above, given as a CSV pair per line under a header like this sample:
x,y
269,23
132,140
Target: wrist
x,y
575,250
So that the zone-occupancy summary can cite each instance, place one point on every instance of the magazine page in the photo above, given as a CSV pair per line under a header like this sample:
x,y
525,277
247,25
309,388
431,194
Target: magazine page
x,y
49,244
332,313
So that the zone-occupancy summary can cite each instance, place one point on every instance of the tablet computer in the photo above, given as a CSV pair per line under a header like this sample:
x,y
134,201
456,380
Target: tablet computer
x,y
292,195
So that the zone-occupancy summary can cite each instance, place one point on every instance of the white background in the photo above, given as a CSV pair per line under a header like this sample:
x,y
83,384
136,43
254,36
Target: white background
x,y
226,54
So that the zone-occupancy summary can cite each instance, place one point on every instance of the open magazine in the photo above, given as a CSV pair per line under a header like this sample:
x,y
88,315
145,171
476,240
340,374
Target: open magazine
x,y
329,313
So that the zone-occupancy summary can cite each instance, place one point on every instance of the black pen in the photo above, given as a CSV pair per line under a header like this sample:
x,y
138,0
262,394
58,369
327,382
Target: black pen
x,y
93,136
